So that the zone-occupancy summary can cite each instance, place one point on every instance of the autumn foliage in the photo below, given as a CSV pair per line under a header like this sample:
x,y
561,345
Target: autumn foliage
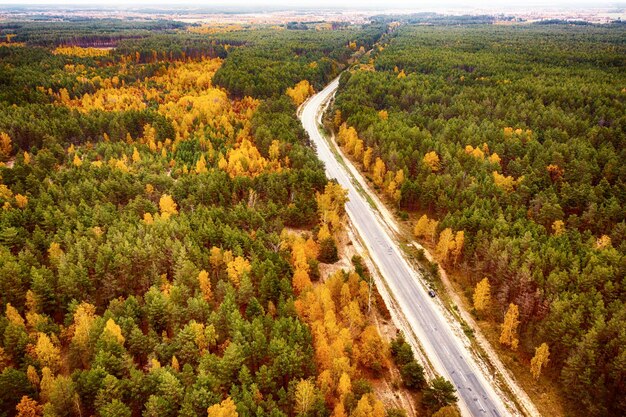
x,y
426,228
389,181
508,336
6,147
168,206
541,358
336,311
482,295
80,52
300,92
431,159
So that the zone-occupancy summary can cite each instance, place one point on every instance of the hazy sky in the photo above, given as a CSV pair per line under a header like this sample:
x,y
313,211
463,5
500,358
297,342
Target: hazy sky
x,y
388,4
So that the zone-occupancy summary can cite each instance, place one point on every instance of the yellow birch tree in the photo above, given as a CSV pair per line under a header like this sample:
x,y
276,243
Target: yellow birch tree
x,y
205,285
431,159
168,206
508,336
482,295
541,358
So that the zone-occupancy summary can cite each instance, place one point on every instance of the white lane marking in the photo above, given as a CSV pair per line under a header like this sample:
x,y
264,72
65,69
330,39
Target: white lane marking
x,y
480,404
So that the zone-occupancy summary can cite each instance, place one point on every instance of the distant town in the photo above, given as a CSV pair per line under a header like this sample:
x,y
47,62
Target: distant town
x,y
276,15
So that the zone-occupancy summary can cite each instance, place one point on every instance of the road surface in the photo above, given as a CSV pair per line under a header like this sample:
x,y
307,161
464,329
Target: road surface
x,y
446,352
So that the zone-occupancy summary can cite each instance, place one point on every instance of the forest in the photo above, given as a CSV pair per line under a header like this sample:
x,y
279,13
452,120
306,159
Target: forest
x,y
163,224
506,148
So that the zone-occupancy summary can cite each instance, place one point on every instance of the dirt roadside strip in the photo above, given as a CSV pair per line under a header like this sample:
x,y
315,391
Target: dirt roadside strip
x,y
483,351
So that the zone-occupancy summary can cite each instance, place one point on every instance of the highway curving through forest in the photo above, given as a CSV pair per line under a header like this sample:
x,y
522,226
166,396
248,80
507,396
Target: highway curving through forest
x,y
448,354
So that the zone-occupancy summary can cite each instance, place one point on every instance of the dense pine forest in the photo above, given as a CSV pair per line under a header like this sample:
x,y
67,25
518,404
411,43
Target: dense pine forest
x,y
506,146
163,224
166,227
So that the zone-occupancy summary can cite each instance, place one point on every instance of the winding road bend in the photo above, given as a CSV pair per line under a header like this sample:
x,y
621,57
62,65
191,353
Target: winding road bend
x,y
450,357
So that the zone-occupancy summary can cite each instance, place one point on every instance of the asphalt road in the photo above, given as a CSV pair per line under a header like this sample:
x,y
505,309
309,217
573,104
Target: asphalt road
x,y
447,353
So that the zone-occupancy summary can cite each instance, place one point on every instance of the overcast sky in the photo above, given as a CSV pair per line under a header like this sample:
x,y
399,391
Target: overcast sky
x,y
387,4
